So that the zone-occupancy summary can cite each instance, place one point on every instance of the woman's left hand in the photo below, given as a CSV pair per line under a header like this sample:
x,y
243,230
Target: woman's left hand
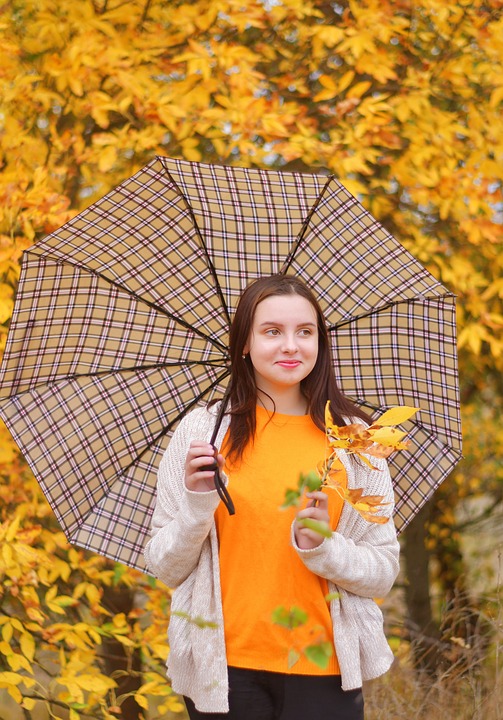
x,y
317,510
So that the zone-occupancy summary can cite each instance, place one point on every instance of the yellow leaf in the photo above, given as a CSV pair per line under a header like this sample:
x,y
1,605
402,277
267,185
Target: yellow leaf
x,y
370,503
7,449
15,694
6,302
387,435
7,631
17,661
51,594
119,621
151,688
160,649
75,85
27,643
190,150
94,635
95,683
346,80
9,678
93,593
125,641
107,158
396,415
141,701
5,648
171,705
496,97
472,335
379,519
28,703
330,90
356,91
13,529
7,555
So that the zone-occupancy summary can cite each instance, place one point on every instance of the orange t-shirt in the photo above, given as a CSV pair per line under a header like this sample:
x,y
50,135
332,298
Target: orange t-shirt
x,y
260,570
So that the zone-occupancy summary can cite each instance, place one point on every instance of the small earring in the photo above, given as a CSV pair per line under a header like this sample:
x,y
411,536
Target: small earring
x,y
244,357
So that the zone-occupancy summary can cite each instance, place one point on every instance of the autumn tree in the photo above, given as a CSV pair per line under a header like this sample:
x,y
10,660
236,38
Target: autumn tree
x,y
400,100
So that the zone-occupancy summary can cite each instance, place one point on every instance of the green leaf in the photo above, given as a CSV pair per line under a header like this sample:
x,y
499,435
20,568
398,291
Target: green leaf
x,y
319,654
293,658
307,481
292,498
311,481
198,620
151,581
322,528
289,619
119,571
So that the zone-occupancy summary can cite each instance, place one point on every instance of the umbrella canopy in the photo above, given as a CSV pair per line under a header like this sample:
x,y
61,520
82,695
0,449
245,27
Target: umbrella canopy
x,y
121,323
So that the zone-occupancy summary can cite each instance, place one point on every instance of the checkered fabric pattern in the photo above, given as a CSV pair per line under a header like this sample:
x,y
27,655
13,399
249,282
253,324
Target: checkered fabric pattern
x,y
121,323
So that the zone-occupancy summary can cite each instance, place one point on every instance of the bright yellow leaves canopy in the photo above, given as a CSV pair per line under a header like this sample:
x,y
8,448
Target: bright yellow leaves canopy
x,y
401,100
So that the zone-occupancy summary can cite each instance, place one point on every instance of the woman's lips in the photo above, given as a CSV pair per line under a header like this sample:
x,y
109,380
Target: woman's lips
x,y
288,363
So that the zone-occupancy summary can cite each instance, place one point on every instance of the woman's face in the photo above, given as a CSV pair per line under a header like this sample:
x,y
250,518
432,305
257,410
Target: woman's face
x,y
283,342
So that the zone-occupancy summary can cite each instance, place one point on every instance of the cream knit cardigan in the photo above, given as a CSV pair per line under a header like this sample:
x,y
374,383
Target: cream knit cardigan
x,y
360,562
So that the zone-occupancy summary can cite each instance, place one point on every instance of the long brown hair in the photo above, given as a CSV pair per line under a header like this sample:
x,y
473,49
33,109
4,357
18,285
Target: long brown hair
x,y
318,387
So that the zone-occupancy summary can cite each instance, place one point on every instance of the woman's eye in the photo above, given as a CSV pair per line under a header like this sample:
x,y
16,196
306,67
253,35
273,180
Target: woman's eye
x,y
272,331
306,331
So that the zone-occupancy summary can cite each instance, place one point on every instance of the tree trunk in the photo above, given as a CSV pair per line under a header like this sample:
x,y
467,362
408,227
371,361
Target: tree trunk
x,y
117,658
422,628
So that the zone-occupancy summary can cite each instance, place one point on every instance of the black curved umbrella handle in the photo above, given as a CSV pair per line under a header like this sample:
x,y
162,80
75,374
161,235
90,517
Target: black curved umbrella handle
x,y
220,485
224,494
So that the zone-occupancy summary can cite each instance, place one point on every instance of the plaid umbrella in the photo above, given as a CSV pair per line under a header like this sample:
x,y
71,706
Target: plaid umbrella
x,y
121,321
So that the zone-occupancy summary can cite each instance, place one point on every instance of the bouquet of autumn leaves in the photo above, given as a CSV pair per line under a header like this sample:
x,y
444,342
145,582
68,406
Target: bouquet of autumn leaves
x,y
379,440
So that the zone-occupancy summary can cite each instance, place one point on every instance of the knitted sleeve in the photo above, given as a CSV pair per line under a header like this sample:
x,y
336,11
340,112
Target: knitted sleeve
x,y
182,519
361,557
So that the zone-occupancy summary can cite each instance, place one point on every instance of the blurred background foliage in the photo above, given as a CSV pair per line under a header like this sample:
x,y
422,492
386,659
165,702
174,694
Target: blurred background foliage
x,y
402,101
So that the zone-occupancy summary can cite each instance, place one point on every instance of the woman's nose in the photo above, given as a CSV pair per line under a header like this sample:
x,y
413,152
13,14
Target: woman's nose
x,y
289,343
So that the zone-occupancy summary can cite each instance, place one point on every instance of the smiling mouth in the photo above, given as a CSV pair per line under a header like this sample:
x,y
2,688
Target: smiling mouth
x,y
288,363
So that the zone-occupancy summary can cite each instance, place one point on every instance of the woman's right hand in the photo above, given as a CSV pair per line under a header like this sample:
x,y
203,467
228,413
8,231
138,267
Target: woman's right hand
x,y
201,454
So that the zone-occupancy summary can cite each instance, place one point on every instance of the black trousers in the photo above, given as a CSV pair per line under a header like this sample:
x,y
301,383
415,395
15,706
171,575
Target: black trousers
x,y
261,695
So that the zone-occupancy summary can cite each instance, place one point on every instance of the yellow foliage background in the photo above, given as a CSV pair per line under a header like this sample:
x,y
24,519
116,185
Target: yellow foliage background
x,y
401,100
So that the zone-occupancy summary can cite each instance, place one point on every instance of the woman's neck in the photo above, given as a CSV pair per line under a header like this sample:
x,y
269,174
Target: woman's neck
x,y
285,403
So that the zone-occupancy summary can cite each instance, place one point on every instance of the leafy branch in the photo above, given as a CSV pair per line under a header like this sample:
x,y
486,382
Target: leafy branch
x,y
379,440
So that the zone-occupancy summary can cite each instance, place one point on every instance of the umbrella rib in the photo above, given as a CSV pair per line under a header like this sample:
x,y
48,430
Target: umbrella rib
x,y
303,230
181,414
140,299
115,371
204,249
153,442
392,303
155,366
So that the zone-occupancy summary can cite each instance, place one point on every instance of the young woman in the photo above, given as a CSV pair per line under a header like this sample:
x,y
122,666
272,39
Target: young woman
x,y
234,571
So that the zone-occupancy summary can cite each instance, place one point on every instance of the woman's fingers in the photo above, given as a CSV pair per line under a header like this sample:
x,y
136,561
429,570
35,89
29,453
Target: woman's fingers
x,y
200,454
200,465
314,513
221,462
319,498
317,509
